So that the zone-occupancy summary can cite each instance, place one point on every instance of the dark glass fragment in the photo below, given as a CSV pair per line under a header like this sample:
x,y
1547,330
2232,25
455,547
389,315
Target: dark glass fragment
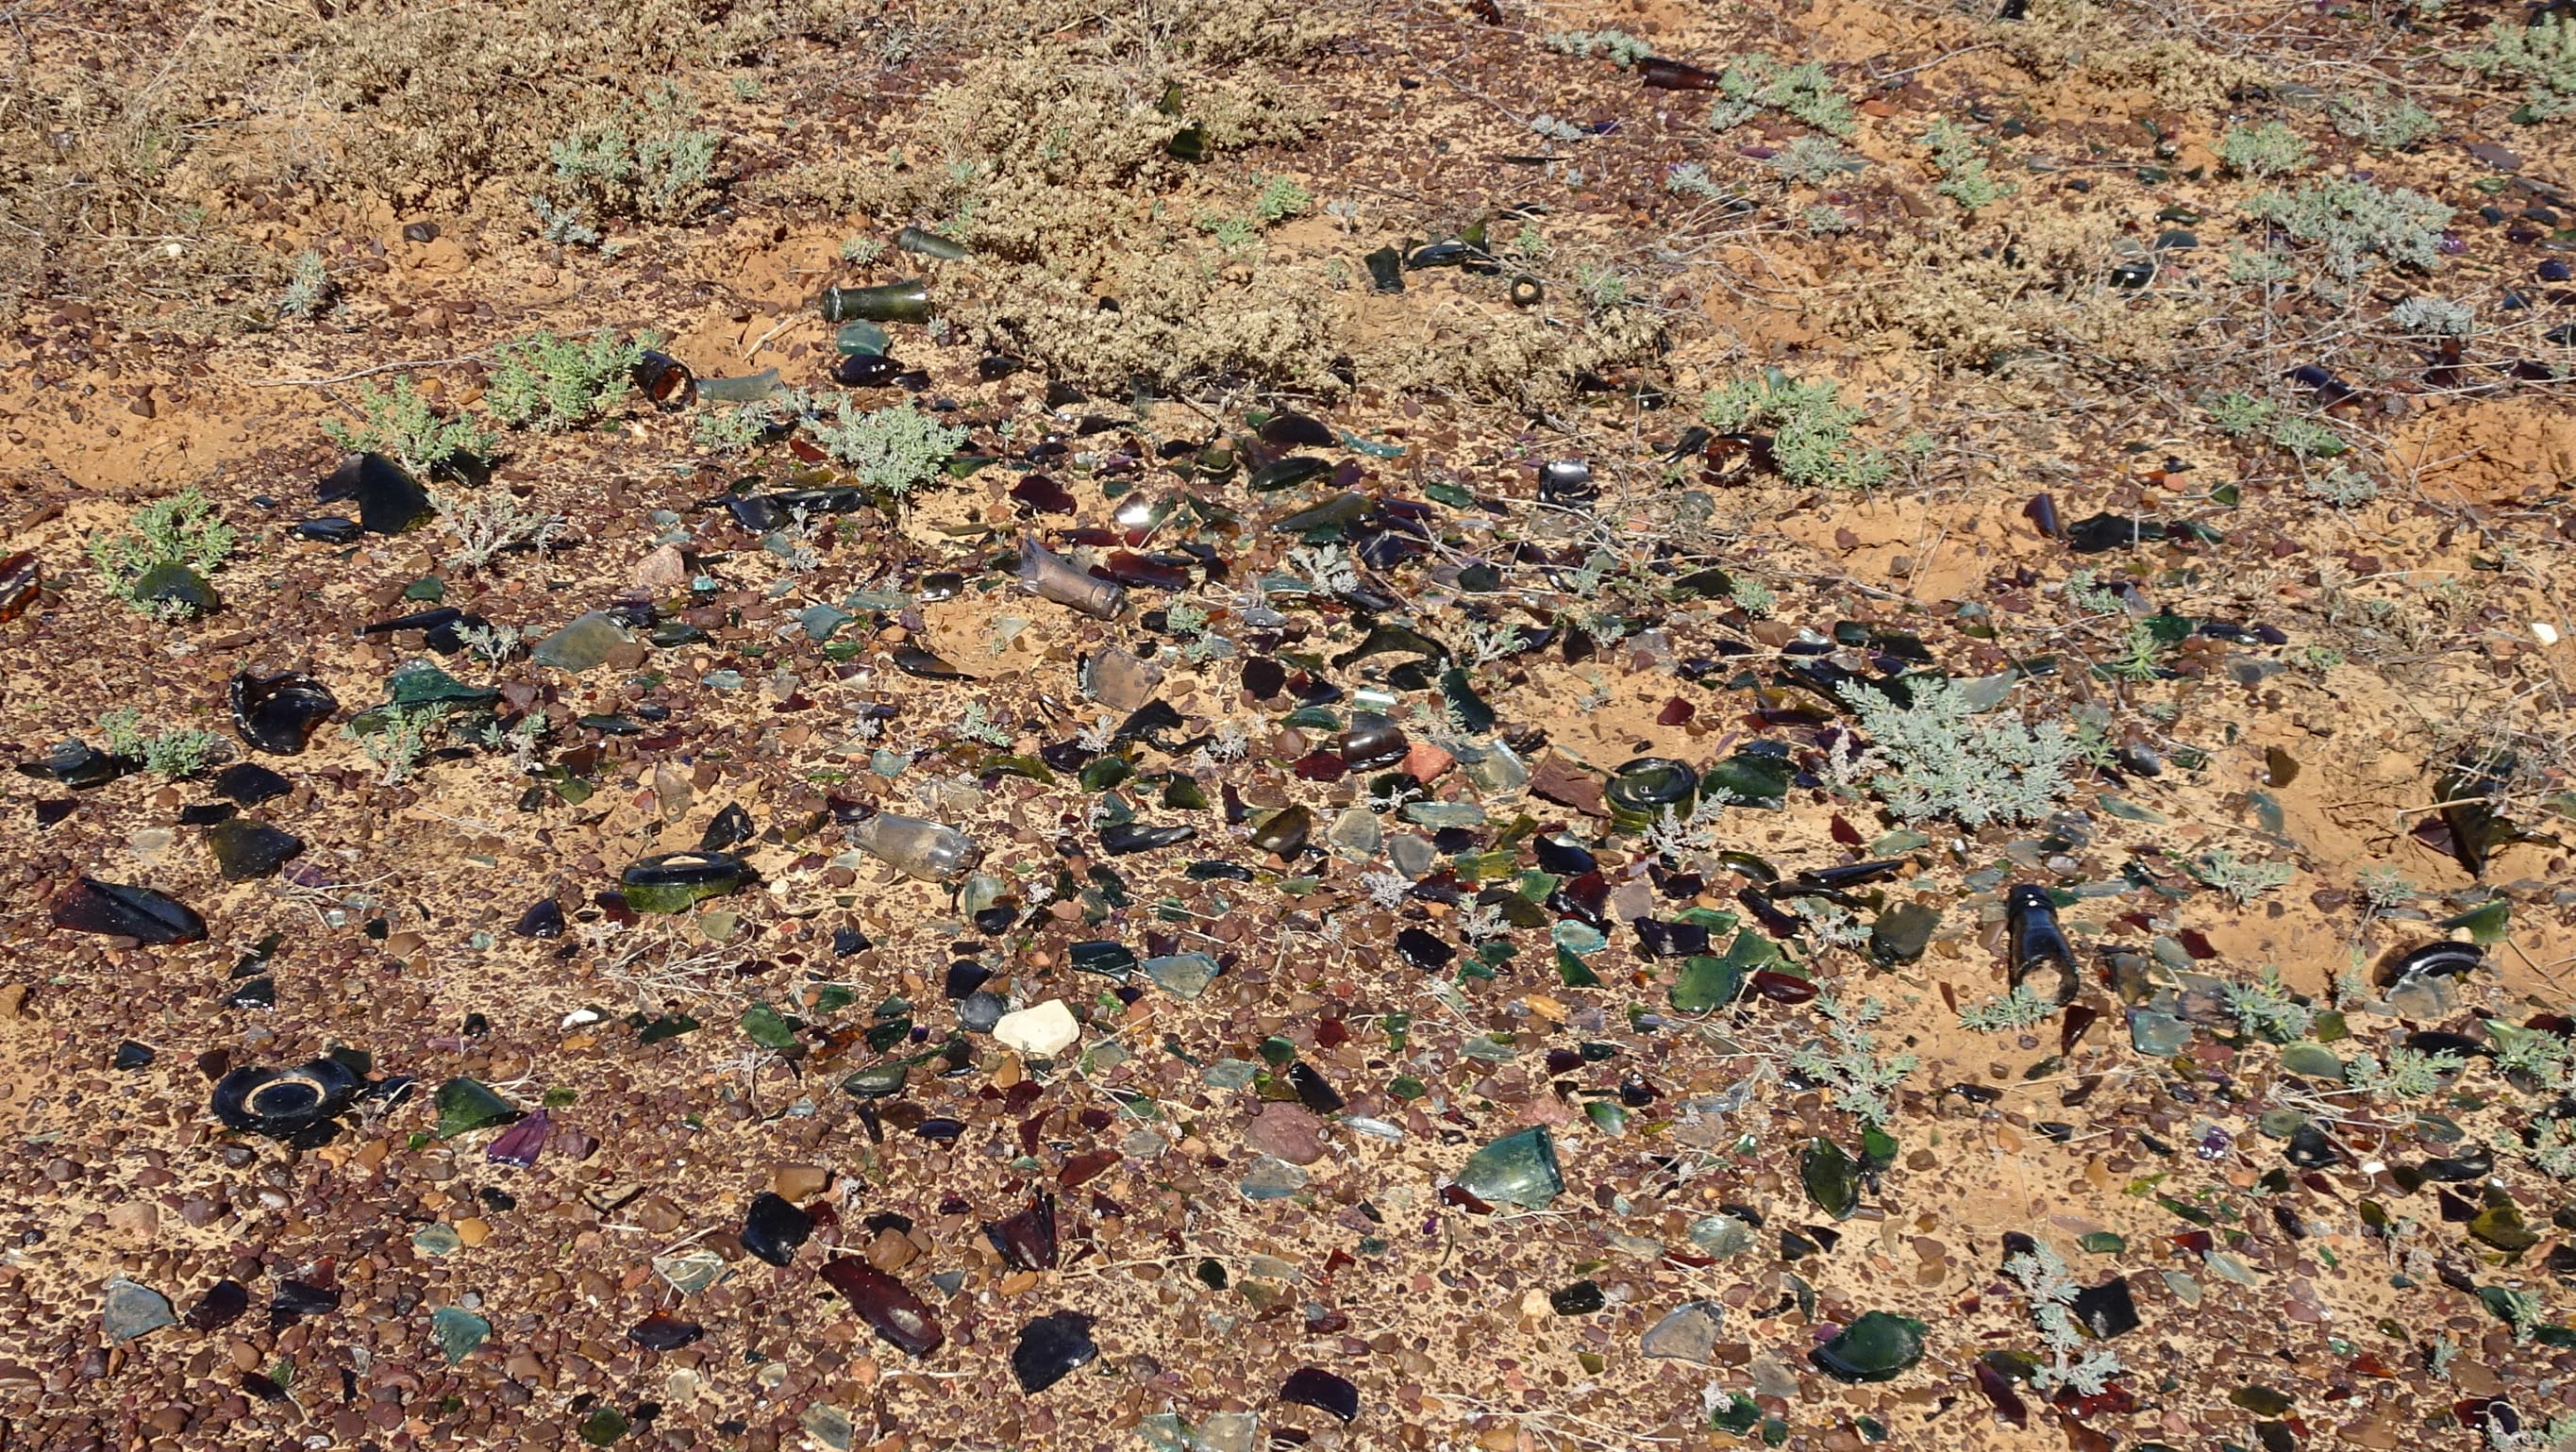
x,y
116,910
1050,1348
890,1309
221,1305
1310,1386
772,1229
389,499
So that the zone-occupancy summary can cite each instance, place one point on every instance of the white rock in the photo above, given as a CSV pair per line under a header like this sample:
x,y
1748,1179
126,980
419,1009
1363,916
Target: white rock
x,y
1041,1032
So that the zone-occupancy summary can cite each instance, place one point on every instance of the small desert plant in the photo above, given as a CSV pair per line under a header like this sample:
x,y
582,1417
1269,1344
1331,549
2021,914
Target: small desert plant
x,y
1948,761
2307,438
1691,179
2437,317
2543,54
651,166
2266,1009
2239,415
1864,1084
308,287
2021,1008
2407,1074
485,529
492,644
2553,1148
974,725
2343,488
733,430
401,743
1622,49
2354,223
401,425
2383,888
2239,879
1234,234
181,530
1281,198
170,755
542,381
1756,82
2051,1286
1962,164
1815,160
2382,123
1812,428
896,450
2269,150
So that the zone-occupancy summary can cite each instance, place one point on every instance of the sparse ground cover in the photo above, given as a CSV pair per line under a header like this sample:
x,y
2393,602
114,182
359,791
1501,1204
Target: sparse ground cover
x,y
1211,724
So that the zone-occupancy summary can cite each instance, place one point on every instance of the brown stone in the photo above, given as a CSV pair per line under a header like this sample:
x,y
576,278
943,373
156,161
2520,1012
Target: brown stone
x,y
1286,1131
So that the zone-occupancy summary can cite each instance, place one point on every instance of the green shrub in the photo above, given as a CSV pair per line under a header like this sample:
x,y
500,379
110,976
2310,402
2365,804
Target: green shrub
x,y
2437,317
1622,49
2308,438
2239,415
2354,223
2271,149
2544,55
1962,164
542,381
308,287
180,530
2382,123
1946,760
401,425
2266,1009
1815,161
1865,1085
650,166
2343,488
1757,83
1811,439
2238,878
896,449
170,755
2019,1009
1281,198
